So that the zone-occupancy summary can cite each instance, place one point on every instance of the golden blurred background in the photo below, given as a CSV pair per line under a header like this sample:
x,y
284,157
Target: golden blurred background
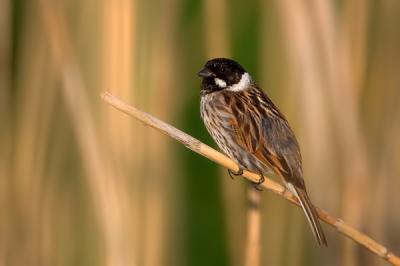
x,y
83,184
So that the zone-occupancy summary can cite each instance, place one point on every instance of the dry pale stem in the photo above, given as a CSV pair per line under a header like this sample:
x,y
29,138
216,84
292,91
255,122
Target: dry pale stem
x,y
252,257
210,153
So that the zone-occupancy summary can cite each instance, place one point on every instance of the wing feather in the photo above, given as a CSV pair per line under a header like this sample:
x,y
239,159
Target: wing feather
x,y
262,130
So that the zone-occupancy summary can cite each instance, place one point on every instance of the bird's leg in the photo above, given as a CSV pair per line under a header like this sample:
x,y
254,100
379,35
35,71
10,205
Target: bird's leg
x,y
232,174
259,182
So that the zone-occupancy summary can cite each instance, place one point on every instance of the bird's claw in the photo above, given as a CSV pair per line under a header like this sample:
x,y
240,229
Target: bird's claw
x,y
259,182
232,174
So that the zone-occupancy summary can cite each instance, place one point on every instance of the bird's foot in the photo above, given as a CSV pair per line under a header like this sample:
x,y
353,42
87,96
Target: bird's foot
x,y
258,183
232,174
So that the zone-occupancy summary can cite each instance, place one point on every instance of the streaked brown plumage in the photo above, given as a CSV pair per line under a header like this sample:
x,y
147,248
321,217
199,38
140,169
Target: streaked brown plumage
x,y
251,130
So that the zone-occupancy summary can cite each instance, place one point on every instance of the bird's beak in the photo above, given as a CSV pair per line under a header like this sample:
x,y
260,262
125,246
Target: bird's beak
x,y
205,73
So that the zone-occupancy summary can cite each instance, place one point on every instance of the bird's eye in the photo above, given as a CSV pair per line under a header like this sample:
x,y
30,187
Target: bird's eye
x,y
222,70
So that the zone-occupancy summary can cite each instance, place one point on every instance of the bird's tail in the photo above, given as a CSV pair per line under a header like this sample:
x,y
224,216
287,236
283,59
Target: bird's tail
x,y
310,213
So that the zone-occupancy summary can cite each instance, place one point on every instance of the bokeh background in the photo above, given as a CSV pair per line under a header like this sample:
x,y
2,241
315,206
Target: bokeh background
x,y
83,184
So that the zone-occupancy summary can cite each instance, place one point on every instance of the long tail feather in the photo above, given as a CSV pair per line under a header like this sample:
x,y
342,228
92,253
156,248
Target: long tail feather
x,y
310,213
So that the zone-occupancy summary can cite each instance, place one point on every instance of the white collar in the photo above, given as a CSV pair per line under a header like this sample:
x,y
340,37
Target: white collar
x,y
243,84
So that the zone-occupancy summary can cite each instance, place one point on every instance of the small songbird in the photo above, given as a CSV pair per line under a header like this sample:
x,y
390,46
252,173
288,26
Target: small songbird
x,y
250,129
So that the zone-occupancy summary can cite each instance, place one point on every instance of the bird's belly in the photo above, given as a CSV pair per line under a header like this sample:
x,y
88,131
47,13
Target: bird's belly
x,y
242,157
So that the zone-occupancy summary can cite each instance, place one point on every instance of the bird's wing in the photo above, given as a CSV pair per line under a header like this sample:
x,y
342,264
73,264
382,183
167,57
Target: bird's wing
x,y
262,130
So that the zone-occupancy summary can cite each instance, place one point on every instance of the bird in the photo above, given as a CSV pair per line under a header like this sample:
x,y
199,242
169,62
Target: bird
x,y
249,128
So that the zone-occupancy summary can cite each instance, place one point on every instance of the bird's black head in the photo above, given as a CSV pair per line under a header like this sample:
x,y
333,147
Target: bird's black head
x,y
222,73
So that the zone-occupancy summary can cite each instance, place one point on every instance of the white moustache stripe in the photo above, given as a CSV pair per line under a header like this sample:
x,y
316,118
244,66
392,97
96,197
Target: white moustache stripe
x,y
220,83
243,84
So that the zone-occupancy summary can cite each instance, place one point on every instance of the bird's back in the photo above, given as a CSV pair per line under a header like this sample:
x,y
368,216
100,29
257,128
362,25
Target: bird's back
x,y
248,130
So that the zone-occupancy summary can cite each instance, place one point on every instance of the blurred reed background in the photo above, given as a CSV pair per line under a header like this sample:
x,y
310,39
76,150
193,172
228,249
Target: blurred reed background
x,y
82,184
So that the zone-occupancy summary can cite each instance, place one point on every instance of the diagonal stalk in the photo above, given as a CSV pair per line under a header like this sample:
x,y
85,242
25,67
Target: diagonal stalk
x,y
195,145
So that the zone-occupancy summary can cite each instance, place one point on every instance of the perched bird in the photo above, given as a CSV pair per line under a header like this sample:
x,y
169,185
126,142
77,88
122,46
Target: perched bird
x,y
250,129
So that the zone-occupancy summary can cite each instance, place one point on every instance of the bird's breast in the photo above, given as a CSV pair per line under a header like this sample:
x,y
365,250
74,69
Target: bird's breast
x,y
215,117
